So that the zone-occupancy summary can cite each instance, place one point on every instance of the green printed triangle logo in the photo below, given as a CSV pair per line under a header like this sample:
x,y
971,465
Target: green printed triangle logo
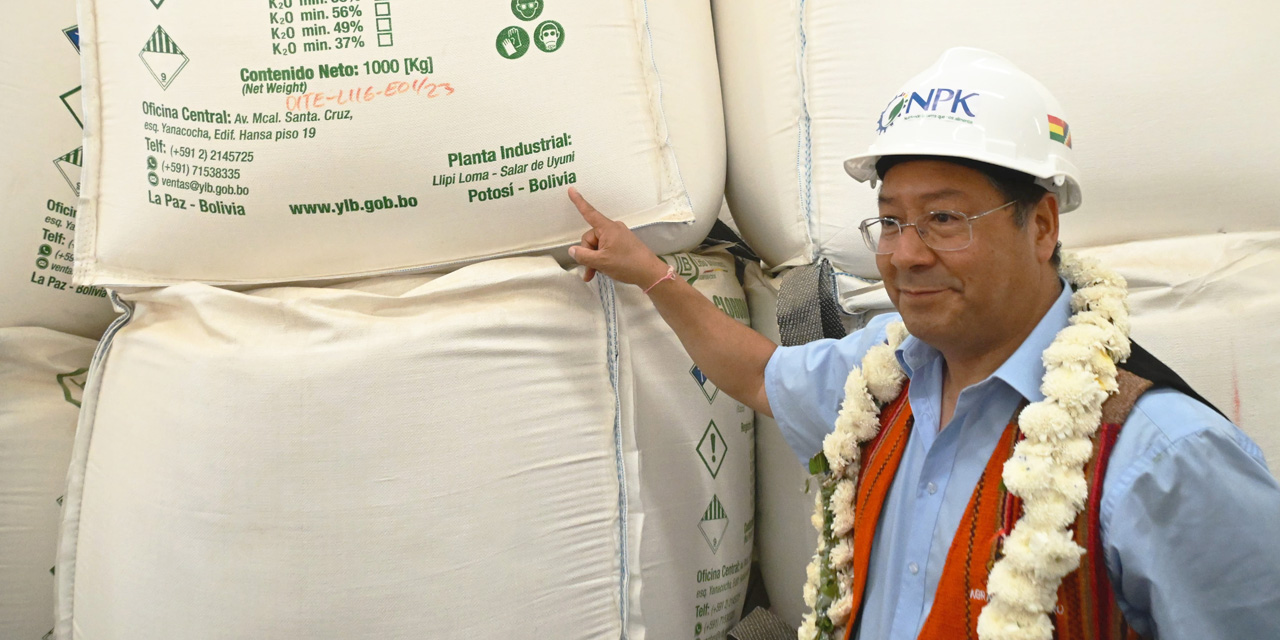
x,y
73,385
714,523
163,58
157,3
69,166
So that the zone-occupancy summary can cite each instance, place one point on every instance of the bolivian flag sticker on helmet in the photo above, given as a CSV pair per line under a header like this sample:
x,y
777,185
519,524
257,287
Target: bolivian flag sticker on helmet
x,y
1058,130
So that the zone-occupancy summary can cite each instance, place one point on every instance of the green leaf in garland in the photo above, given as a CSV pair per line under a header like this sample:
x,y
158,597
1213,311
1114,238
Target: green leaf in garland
x,y
818,464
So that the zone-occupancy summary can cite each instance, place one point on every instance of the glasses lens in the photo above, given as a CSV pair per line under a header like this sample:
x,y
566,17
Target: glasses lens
x,y
946,230
881,234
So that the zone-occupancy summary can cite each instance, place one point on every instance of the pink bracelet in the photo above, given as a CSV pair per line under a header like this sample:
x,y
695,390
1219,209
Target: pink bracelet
x,y
671,275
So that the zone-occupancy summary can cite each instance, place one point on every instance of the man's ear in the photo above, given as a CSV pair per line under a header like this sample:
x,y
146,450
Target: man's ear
x,y
1044,224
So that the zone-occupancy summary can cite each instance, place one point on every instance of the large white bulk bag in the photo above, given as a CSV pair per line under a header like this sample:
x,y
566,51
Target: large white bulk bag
x,y
42,376
415,457
1143,85
236,142
40,172
696,468
1207,307
785,536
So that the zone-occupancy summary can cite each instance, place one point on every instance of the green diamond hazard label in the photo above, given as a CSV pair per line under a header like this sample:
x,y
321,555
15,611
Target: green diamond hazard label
x,y
163,58
71,100
73,385
712,449
714,524
69,166
709,388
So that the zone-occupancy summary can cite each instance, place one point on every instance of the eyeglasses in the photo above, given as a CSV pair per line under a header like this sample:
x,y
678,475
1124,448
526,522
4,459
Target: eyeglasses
x,y
939,230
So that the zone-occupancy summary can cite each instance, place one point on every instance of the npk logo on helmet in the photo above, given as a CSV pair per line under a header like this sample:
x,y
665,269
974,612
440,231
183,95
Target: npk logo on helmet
x,y
901,104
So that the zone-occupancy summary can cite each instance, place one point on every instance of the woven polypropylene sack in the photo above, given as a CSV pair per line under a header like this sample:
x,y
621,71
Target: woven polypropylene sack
x,y
40,172
695,451
406,457
250,142
783,531
805,83
1206,306
42,377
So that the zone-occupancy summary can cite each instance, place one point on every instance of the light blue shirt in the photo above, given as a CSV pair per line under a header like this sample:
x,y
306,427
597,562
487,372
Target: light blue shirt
x,y
1190,514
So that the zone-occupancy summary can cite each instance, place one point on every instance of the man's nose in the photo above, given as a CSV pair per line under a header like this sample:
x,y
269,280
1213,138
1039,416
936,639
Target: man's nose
x,y
911,250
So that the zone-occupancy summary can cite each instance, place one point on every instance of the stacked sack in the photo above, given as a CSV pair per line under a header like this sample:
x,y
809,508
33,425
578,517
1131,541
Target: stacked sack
x,y
500,450
1176,195
474,443
47,324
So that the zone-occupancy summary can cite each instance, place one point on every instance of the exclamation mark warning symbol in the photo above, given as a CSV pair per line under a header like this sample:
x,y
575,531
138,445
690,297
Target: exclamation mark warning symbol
x,y
712,449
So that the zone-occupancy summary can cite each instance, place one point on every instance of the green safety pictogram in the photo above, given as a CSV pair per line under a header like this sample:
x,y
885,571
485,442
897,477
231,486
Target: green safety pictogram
x,y
714,523
157,3
526,9
712,449
709,388
513,42
73,35
69,166
549,36
163,58
71,100
73,385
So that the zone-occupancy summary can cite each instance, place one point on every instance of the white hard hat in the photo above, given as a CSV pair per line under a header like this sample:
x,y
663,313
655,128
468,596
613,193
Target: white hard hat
x,y
975,104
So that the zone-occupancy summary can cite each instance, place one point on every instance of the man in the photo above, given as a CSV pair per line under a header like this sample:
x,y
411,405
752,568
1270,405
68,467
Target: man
x,y
974,160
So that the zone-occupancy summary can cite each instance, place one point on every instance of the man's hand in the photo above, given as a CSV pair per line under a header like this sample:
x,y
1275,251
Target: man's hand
x,y
612,249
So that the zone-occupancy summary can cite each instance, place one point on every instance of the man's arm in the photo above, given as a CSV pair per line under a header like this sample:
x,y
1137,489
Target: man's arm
x,y
732,355
1190,525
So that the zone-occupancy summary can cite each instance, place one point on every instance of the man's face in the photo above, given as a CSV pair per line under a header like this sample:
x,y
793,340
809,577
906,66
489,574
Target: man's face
x,y
968,299
550,37
529,9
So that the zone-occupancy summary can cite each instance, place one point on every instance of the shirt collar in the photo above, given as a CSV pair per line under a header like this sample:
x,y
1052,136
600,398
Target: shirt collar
x,y
1024,369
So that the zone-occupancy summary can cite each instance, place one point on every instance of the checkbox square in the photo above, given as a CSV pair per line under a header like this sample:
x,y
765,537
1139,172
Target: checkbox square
x,y
384,24
384,39
382,8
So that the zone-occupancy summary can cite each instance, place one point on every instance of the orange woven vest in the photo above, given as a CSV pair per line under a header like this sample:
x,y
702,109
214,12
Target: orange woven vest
x,y
1087,607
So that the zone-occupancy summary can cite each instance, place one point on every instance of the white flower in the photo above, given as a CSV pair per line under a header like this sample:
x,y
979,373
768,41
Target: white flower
x,y
1020,590
896,332
1046,421
1028,474
810,595
1113,339
808,627
1074,388
1048,554
997,624
1074,452
842,507
818,519
1067,353
1048,511
884,375
857,400
840,610
842,554
1070,483
840,449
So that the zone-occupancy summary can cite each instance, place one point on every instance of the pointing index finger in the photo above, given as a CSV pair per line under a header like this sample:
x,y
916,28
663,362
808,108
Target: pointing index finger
x,y
589,213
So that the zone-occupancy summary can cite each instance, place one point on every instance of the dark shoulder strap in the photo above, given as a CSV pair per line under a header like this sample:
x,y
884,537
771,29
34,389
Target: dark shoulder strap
x,y
1144,365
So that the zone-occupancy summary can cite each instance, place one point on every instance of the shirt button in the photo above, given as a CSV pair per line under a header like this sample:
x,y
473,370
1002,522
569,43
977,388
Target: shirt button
x,y
933,488
913,568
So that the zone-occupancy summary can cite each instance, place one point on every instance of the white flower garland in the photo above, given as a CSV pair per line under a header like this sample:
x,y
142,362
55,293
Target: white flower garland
x,y
1046,469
